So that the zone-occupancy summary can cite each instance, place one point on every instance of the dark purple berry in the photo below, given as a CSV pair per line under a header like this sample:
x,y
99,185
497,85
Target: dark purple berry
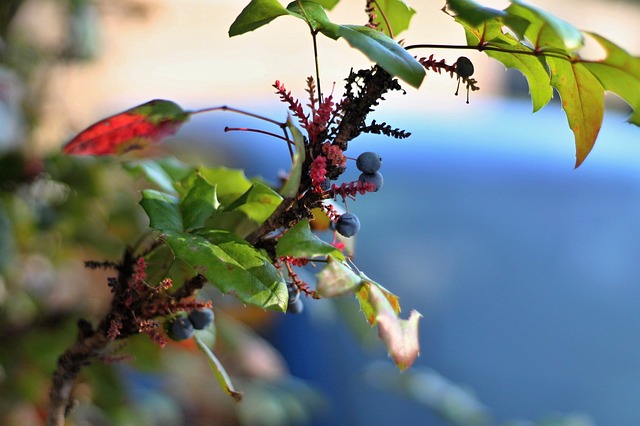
x,y
464,67
348,225
181,328
296,307
201,318
326,184
374,178
369,162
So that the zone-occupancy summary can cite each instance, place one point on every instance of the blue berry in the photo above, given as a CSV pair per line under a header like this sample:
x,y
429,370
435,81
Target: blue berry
x,y
295,305
368,162
326,184
181,329
374,178
464,67
201,318
348,225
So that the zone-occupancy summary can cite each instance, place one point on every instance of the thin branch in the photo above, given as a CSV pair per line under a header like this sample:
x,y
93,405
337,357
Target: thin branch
x,y
483,47
384,18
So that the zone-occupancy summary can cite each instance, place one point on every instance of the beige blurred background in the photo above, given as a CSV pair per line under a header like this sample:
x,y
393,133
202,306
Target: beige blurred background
x,y
180,50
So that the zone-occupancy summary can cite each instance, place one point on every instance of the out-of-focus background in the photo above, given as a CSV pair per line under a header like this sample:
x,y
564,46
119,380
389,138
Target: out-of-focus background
x,y
526,270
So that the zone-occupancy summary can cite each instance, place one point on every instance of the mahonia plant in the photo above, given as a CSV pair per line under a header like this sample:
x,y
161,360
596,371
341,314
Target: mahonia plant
x,y
249,239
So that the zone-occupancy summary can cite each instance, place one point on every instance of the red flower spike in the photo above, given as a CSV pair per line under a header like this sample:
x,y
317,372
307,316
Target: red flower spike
x,y
129,130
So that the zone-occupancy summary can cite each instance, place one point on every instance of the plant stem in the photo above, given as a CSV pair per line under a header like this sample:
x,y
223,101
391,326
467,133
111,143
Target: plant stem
x,y
315,58
481,48
384,18
239,111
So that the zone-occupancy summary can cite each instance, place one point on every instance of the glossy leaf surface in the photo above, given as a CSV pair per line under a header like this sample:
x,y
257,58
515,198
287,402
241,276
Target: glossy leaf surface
x,y
299,241
385,52
256,14
232,265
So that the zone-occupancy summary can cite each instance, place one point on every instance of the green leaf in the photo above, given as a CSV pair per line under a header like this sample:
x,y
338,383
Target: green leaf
x,y
299,241
618,72
327,4
384,51
532,67
545,30
291,187
218,370
399,336
163,210
258,203
472,13
336,279
314,14
255,15
198,204
582,98
232,265
398,16
230,184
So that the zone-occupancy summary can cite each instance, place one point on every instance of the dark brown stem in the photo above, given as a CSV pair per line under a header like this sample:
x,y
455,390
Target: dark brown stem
x,y
88,346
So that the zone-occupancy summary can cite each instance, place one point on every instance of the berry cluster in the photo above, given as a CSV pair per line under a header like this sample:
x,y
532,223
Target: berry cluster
x,y
368,163
183,327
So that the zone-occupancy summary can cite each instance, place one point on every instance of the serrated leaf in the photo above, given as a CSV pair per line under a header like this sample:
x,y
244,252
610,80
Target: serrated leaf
x,y
230,183
313,13
163,210
295,174
255,15
546,31
399,336
385,52
582,98
618,72
219,371
198,204
532,67
258,203
299,241
336,279
398,15
232,265
129,130
364,294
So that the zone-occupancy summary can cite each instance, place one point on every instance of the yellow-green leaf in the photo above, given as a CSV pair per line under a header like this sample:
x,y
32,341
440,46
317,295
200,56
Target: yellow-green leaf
x,y
582,98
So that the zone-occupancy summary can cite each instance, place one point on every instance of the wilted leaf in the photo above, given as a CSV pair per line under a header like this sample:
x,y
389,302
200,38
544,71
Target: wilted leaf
x,y
385,52
336,279
163,210
129,130
582,98
299,241
364,297
219,371
232,265
399,336
255,15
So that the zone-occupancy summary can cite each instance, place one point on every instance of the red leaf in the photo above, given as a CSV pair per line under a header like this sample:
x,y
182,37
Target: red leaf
x,y
129,130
